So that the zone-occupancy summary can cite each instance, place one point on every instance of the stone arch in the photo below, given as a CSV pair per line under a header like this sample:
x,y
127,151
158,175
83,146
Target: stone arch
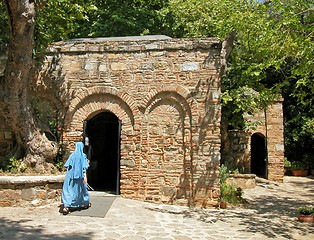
x,y
91,101
168,100
177,92
96,103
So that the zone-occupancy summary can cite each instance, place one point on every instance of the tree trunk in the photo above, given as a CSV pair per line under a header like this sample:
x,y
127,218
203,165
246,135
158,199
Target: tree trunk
x,y
16,103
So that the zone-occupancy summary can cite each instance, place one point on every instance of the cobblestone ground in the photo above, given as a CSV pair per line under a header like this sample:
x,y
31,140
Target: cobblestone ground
x,y
270,214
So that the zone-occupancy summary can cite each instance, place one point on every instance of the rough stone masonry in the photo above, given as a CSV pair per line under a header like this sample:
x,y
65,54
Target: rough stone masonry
x,y
166,94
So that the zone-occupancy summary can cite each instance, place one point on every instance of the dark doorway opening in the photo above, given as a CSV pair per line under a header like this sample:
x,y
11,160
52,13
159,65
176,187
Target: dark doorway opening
x,y
259,155
103,132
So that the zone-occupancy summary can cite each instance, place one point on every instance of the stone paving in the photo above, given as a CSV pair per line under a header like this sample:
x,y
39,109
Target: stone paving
x,y
270,214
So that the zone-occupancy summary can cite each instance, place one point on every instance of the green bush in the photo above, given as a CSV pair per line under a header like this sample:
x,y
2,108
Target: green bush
x,y
228,192
223,174
287,163
298,165
16,166
308,210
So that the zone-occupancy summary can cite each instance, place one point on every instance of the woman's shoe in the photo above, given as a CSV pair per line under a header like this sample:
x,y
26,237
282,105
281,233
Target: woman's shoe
x,y
65,211
86,206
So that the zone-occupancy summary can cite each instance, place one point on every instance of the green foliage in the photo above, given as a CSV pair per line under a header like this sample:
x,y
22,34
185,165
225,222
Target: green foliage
x,y
228,192
231,194
287,163
307,210
299,122
4,28
223,174
16,166
273,54
60,166
299,165
127,18
58,19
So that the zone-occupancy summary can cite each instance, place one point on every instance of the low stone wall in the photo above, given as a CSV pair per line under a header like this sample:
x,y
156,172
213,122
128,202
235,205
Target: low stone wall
x,y
29,190
244,181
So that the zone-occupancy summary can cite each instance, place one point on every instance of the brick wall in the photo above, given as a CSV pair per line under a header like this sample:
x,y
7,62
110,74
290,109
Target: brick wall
x,y
270,126
166,93
275,141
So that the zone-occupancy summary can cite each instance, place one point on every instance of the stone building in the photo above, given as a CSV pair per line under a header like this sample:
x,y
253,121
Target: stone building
x,y
148,109
260,150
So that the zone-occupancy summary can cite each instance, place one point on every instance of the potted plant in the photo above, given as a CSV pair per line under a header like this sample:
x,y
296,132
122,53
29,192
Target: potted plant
x,y
229,193
306,214
287,166
299,169
223,185
224,195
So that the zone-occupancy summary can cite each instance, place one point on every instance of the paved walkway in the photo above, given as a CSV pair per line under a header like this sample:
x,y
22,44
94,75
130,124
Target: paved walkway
x,y
270,215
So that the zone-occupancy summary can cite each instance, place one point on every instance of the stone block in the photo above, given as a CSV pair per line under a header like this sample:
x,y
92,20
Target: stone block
x,y
28,194
42,194
118,66
244,181
190,66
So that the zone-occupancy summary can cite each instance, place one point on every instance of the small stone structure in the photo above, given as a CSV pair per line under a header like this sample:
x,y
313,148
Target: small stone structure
x,y
260,150
243,181
149,111
29,190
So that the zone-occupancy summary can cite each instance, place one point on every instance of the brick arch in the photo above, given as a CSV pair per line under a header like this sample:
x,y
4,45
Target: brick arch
x,y
173,92
96,103
124,96
97,99
167,97
172,97
179,90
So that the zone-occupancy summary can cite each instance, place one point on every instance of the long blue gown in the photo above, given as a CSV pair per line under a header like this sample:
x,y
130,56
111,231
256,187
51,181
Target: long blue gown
x,y
74,191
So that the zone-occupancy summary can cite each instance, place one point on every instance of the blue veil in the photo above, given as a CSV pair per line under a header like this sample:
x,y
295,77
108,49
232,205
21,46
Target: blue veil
x,y
77,162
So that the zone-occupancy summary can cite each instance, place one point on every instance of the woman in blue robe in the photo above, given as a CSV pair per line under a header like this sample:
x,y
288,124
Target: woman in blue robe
x,y
74,190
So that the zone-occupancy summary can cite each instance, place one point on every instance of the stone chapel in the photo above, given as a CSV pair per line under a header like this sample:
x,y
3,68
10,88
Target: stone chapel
x,y
149,111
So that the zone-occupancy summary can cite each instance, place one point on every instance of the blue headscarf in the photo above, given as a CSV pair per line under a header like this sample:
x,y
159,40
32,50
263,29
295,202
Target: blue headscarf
x,y
77,162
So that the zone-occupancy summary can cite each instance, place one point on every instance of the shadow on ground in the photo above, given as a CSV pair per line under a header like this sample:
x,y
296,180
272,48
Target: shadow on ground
x,y
272,215
21,230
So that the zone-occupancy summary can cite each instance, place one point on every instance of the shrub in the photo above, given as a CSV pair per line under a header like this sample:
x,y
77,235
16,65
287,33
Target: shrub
x,y
16,166
298,165
287,163
308,210
228,192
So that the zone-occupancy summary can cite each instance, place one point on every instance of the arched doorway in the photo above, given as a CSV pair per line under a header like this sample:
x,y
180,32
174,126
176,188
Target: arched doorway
x,y
259,155
103,132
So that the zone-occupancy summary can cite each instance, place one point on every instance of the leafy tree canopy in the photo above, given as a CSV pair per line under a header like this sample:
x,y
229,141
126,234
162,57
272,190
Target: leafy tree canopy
x,y
125,17
273,54
273,50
